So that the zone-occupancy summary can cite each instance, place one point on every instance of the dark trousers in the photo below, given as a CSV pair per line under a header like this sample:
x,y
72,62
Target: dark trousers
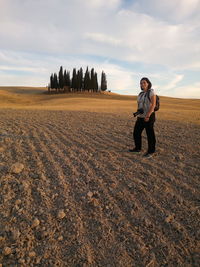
x,y
137,133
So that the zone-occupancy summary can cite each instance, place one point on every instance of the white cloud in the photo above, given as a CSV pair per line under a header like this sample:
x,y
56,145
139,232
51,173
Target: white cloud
x,y
102,38
25,80
103,3
137,37
120,80
175,10
189,91
173,83
150,32
25,69
93,27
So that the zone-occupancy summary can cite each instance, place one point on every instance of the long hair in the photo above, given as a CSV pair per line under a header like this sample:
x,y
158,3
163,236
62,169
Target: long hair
x,y
147,80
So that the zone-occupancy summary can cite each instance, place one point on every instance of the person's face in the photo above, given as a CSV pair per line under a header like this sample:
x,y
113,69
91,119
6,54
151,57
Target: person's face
x,y
144,85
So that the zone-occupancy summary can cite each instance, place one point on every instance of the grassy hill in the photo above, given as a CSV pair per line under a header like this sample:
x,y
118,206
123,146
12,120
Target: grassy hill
x,y
185,110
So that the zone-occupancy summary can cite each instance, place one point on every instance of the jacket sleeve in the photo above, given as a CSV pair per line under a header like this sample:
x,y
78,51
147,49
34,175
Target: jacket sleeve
x,y
151,93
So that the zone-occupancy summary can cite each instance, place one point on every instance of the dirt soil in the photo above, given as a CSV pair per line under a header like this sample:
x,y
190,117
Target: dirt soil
x,y
72,194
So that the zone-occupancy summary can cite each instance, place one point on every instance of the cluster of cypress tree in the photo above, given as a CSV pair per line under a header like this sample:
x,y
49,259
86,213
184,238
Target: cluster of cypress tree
x,y
78,82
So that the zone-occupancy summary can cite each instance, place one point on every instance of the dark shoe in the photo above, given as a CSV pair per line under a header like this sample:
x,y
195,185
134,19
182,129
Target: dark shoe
x,y
148,155
135,150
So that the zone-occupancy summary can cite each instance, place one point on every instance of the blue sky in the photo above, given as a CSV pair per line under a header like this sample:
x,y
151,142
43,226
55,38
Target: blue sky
x,y
127,39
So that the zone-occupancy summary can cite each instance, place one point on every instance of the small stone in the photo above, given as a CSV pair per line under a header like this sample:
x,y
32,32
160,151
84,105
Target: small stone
x,y
16,207
7,251
45,234
89,194
2,238
169,218
25,185
38,260
95,202
43,177
20,210
60,238
18,202
113,185
41,210
35,223
32,254
179,157
13,219
15,234
61,214
17,168
21,261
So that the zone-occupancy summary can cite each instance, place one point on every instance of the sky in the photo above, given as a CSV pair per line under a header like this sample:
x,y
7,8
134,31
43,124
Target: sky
x,y
127,39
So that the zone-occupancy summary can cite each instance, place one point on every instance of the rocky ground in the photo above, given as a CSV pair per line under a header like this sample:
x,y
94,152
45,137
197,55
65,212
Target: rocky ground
x,y
72,194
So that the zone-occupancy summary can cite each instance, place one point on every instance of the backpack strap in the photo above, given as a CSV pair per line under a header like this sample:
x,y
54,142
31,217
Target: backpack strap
x,y
144,96
140,93
148,94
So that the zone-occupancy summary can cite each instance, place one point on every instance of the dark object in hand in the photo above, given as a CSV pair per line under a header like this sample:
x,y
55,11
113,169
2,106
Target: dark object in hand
x,y
139,111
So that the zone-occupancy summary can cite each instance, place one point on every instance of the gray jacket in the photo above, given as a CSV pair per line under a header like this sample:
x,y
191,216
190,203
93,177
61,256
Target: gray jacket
x,y
144,101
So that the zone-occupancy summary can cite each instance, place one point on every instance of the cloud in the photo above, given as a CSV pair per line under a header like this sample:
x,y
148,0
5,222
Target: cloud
x,y
47,33
22,80
25,69
102,38
37,70
188,91
103,3
139,37
101,28
123,80
172,10
173,83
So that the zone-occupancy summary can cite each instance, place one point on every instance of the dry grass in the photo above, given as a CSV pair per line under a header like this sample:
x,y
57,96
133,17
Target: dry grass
x,y
71,194
185,110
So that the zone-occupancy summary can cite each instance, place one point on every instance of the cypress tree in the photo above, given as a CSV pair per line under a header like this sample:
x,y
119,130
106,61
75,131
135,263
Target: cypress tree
x,y
92,82
74,79
96,86
61,78
65,78
81,78
51,81
103,81
68,79
55,81
78,80
89,81
86,80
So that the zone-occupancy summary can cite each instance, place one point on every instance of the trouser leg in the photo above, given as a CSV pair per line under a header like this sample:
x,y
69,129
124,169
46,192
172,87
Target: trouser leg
x,y
137,133
150,136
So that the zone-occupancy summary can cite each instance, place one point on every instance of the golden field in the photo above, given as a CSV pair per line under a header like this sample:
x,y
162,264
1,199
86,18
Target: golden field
x,y
72,194
178,109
